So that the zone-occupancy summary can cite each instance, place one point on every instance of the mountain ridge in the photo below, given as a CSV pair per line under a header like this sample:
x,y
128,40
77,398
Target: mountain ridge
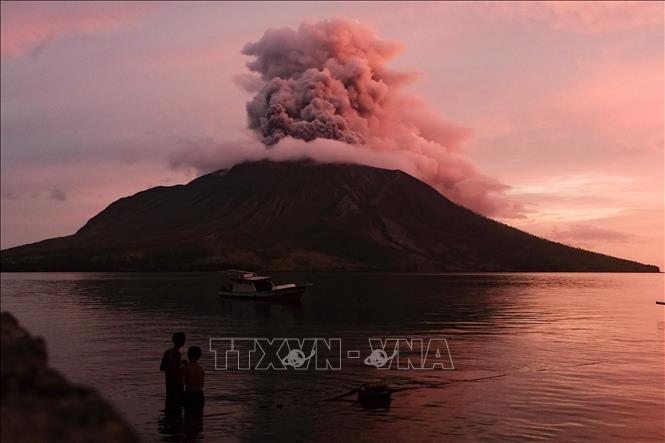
x,y
302,215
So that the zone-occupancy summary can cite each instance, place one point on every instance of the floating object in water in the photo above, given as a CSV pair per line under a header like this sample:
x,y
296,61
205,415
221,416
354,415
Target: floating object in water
x,y
658,302
248,285
370,396
374,396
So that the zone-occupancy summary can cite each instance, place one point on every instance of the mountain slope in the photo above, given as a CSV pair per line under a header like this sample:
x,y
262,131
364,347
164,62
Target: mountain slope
x,y
301,215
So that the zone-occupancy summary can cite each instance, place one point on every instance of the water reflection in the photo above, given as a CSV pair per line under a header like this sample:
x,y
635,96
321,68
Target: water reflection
x,y
372,301
171,424
502,330
174,425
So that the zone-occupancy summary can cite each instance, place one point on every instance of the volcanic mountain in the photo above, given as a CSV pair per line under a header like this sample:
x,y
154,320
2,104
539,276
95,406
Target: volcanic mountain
x,y
306,216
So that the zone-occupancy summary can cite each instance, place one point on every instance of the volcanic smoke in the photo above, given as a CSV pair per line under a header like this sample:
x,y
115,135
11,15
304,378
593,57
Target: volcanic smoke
x,y
328,79
323,91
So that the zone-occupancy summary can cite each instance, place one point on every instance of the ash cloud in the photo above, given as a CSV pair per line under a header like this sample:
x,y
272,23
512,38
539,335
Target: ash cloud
x,y
323,92
324,80
328,80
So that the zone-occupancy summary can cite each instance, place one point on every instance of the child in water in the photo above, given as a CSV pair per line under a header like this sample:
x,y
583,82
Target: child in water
x,y
193,375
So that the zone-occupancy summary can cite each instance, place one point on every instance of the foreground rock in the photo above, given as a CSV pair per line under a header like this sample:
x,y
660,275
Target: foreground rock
x,y
40,405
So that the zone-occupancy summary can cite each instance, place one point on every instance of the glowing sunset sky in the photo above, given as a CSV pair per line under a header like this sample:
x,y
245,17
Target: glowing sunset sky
x,y
560,102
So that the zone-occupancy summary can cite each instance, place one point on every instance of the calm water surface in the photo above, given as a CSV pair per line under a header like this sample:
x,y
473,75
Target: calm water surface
x,y
561,357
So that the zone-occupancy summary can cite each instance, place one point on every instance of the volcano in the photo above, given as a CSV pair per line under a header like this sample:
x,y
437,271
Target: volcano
x,y
302,215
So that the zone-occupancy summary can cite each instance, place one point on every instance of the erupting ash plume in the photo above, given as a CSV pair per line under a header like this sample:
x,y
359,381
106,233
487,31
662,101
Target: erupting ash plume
x,y
323,92
325,80
328,80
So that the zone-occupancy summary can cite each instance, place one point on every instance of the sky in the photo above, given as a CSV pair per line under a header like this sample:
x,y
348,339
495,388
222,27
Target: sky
x,y
560,107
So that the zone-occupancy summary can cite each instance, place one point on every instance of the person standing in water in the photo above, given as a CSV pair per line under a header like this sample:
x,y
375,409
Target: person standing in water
x,y
172,366
193,375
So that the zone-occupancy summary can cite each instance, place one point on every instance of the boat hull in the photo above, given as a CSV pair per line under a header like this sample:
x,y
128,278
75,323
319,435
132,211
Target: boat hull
x,y
290,294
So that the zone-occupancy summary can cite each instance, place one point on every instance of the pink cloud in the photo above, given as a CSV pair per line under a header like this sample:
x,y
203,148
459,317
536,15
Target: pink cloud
x,y
620,101
588,235
583,16
28,26
195,56
205,155
632,233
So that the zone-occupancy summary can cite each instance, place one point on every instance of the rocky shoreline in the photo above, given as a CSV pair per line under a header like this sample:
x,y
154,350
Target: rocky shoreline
x,y
40,405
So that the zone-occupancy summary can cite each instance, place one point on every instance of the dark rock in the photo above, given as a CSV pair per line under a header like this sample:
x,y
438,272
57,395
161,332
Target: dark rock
x,y
40,405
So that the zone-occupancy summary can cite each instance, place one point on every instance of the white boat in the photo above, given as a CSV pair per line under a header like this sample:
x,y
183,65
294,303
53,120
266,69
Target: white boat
x,y
248,285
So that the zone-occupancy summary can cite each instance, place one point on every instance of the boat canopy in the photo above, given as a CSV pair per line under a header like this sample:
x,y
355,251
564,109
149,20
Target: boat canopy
x,y
236,273
245,275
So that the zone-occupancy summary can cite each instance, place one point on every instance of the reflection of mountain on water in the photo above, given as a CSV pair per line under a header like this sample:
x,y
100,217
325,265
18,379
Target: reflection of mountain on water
x,y
338,304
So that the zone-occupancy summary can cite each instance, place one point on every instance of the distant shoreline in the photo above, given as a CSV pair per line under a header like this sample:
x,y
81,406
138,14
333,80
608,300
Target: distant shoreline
x,y
284,271
302,215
